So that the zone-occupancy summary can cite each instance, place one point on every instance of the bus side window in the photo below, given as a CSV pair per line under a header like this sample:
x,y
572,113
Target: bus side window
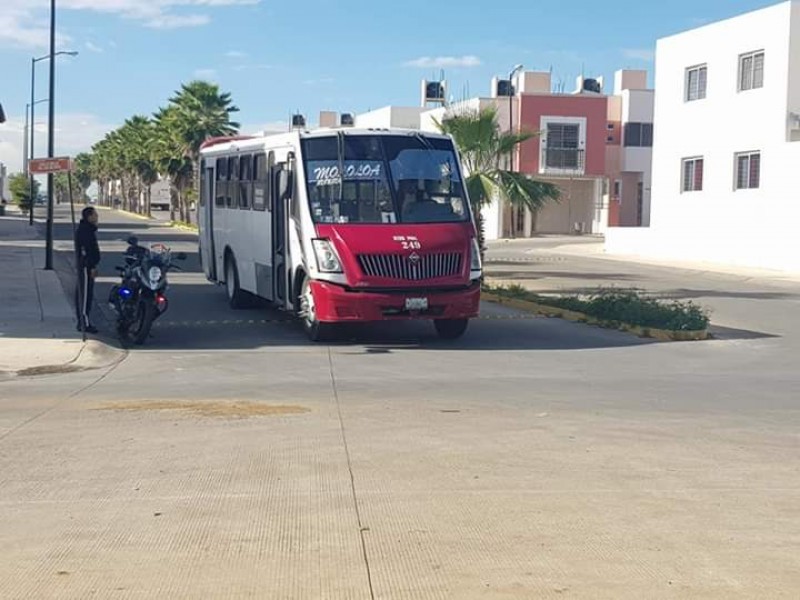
x,y
233,179
245,179
222,183
260,181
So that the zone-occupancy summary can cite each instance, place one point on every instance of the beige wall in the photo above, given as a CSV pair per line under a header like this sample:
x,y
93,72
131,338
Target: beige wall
x,y
577,204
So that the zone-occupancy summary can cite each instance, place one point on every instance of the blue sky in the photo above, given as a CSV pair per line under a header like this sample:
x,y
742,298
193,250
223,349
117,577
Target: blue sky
x,y
277,57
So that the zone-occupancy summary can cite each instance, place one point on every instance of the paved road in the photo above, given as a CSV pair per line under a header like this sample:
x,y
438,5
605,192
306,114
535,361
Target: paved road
x,y
532,459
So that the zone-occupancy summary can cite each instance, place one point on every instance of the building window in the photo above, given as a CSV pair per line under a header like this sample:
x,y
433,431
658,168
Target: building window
x,y
562,145
639,135
617,190
748,170
751,71
696,80
692,175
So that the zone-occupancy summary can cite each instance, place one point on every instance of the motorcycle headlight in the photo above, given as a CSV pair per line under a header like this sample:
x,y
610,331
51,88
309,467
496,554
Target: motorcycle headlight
x,y
327,259
154,275
475,257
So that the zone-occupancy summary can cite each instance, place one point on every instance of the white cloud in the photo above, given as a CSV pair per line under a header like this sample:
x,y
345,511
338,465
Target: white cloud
x,y
177,21
74,133
25,23
253,67
321,81
643,54
236,54
444,61
206,73
91,47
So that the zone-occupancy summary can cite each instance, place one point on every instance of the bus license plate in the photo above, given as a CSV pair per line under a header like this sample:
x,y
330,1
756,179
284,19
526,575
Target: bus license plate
x,y
416,304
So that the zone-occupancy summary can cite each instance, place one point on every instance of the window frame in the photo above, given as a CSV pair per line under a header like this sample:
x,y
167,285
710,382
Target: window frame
x,y
752,70
702,94
643,137
693,179
737,157
221,177
245,183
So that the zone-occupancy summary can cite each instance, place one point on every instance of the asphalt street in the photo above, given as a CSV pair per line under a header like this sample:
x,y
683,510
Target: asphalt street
x,y
534,458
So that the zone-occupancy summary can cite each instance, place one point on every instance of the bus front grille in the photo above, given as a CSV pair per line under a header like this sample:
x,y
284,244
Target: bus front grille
x,y
413,267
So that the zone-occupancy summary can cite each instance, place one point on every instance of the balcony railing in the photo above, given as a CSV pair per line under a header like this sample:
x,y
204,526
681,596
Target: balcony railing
x,y
563,161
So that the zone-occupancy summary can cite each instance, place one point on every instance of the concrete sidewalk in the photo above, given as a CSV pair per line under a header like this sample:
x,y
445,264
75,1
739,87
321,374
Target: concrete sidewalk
x,y
37,322
593,247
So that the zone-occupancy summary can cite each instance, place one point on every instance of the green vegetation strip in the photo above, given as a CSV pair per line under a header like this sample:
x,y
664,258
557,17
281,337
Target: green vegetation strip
x,y
627,310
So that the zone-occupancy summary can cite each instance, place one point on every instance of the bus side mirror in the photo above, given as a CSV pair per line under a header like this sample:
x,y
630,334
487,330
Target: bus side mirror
x,y
285,184
2,114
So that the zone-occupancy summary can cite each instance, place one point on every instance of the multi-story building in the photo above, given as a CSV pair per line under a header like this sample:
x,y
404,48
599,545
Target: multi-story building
x,y
595,148
579,149
727,144
630,150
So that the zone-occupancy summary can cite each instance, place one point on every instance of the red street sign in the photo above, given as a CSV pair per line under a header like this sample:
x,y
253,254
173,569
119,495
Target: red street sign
x,y
39,166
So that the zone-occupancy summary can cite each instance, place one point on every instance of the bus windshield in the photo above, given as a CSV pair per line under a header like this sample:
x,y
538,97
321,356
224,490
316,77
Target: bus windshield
x,y
383,179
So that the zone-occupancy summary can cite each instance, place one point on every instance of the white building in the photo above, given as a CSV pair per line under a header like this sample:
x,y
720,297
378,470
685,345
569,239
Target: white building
x,y
726,155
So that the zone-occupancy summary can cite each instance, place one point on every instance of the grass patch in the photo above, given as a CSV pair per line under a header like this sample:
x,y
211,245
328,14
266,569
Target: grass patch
x,y
612,305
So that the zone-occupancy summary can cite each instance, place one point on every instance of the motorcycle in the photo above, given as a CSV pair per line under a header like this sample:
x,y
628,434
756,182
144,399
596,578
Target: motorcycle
x,y
140,298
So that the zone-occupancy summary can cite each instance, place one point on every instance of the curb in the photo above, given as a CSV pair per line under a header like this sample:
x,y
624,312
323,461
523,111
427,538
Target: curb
x,y
127,212
92,355
662,335
184,226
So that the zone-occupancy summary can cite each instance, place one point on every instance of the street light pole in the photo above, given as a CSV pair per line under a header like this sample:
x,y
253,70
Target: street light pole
x,y
48,251
30,147
25,142
34,103
513,72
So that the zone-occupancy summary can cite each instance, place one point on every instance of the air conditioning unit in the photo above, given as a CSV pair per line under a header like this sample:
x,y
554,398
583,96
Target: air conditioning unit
x,y
346,120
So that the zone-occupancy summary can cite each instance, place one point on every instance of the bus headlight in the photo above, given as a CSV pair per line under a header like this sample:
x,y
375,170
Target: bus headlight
x,y
475,257
327,259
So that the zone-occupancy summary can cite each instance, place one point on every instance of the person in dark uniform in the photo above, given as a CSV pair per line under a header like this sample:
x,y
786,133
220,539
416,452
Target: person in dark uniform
x,y
88,253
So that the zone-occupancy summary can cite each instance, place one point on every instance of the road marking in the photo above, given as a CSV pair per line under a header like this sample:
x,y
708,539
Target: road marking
x,y
206,323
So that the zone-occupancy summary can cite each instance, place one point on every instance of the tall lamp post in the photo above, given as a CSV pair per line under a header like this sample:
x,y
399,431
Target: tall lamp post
x,y
32,104
29,150
48,248
512,93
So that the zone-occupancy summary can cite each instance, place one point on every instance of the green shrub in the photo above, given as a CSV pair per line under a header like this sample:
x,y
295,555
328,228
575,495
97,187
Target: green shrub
x,y
621,306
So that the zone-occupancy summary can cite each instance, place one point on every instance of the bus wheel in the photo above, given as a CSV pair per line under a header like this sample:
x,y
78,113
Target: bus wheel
x,y
316,331
450,329
236,297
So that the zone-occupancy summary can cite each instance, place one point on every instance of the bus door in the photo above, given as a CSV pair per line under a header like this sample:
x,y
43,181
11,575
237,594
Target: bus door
x,y
280,239
206,218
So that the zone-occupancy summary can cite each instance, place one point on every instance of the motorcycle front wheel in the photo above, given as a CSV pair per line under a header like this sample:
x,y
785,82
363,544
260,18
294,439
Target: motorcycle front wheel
x,y
145,315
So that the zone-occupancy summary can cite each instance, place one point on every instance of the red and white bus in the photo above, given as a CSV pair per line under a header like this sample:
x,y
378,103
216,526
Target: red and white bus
x,y
342,226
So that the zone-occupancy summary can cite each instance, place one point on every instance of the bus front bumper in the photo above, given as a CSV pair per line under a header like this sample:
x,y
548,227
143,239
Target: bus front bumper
x,y
334,303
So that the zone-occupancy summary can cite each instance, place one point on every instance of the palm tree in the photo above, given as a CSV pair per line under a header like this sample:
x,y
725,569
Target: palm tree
x,y
484,149
171,158
199,111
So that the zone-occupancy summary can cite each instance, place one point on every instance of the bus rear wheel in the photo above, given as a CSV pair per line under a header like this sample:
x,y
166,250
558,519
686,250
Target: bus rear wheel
x,y
236,296
316,331
450,329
